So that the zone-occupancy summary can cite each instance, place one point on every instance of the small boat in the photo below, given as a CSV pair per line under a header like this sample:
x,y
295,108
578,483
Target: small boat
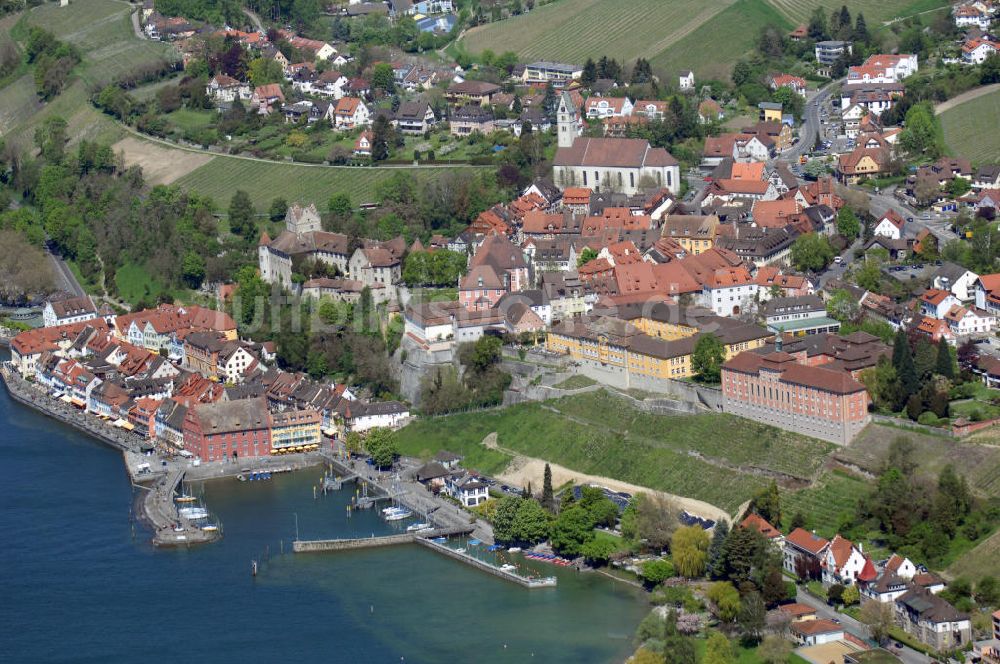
x,y
185,499
241,477
514,549
396,514
418,527
474,542
507,567
193,512
210,528
459,550
439,540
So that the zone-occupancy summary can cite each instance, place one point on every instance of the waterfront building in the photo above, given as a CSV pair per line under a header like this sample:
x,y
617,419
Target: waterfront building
x,y
228,429
295,430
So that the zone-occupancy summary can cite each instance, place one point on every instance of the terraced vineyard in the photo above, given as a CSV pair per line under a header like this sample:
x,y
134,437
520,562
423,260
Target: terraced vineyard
x,y
573,30
970,128
102,30
694,455
823,504
799,11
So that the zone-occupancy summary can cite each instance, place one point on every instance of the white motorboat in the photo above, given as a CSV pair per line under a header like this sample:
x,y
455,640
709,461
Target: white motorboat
x,y
193,512
417,527
514,549
397,514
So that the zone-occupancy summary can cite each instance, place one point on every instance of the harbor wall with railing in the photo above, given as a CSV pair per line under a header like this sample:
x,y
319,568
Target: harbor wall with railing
x,y
530,583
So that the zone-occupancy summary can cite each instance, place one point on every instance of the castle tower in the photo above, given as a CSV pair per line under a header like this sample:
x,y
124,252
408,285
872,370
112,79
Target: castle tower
x,y
566,121
300,219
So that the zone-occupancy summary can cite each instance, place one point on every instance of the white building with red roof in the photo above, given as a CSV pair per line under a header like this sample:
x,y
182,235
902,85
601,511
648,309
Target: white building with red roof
x,y
845,563
890,225
796,83
987,289
802,551
761,525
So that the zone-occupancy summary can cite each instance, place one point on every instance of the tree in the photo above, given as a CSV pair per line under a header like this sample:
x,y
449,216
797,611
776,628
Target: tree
x,y
646,656
851,596
589,73
689,550
657,571
945,365
265,70
922,135
742,553
656,520
241,215
719,650
812,252
752,616
382,135
571,530
25,272
879,619
989,71
848,224
585,256
835,594
776,650
767,503
598,550
382,446
548,498
725,600
902,362
383,78
531,523
707,358
51,139
504,517
193,269
276,211
741,73
716,561
988,592
817,25
861,29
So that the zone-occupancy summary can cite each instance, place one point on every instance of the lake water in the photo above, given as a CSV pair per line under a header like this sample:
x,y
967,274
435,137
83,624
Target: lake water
x,y
82,584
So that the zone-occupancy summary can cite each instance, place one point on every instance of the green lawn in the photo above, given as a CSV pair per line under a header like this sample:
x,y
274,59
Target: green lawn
x,y
965,409
970,129
979,561
264,181
187,119
134,282
575,382
694,455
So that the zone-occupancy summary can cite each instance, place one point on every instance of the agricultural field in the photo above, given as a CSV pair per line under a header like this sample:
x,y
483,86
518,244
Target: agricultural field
x,y
265,181
978,562
970,128
799,11
573,30
823,504
102,30
697,456
160,164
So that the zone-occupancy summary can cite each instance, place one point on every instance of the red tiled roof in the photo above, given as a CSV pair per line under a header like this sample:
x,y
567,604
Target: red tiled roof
x,y
760,524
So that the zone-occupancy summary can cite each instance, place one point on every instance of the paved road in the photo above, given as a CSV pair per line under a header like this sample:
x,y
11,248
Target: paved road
x,y
64,276
823,610
810,123
135,24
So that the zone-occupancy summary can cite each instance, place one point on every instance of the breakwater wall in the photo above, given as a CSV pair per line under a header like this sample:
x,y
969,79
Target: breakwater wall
x,y
530,583
316,546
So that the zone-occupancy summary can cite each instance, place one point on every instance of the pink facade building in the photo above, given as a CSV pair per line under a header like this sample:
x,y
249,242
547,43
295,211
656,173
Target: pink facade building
x,y
775,389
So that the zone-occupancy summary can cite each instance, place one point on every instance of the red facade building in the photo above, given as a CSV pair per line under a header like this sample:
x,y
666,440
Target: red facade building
x,y
775,389
228,429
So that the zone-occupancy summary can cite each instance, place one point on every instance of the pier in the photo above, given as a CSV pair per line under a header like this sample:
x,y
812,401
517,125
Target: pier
x,y
427,540
169,527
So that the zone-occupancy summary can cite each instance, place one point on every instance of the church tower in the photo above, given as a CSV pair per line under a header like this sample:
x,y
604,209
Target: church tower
x,y
566,120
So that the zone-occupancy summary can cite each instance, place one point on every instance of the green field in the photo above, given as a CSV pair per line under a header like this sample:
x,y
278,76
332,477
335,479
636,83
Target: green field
x,y
980,561
695,455
575,382
970,129
265,181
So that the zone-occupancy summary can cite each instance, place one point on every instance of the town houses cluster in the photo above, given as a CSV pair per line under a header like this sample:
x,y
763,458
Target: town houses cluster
x,y
909,589
180,376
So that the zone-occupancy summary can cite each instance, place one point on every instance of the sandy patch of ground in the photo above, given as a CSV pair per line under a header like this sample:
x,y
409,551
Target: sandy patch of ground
x,y
523,469
160,165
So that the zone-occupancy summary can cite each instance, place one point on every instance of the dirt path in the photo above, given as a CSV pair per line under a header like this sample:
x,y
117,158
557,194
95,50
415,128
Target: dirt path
x,y
523,469
969,95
